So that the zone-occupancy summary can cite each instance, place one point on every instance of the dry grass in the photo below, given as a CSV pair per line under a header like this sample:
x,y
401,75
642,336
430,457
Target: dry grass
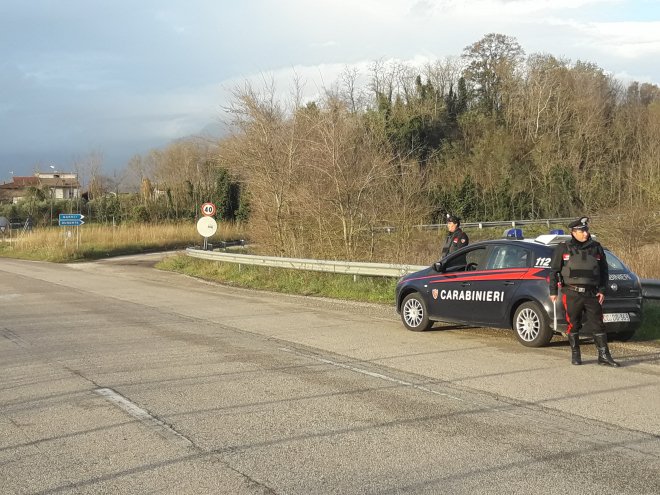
x,y
98,241
635,238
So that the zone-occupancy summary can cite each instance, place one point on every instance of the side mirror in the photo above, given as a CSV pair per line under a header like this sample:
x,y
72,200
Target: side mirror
x,y
438,266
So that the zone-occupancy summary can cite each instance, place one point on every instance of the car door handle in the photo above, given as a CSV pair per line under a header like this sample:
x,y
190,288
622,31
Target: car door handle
x,y
509,282
465,284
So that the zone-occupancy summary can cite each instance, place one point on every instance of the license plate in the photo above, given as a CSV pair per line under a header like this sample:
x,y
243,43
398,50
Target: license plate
x,y
615,317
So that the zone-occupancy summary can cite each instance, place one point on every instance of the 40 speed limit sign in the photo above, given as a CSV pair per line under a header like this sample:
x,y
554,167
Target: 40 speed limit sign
x,y
208,209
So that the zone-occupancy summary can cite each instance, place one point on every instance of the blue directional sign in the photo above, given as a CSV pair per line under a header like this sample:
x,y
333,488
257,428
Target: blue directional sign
x,y
71,216
67,219
64,223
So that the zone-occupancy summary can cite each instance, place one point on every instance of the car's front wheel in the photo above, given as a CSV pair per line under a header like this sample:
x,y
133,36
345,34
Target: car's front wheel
x,y
531,325
414,314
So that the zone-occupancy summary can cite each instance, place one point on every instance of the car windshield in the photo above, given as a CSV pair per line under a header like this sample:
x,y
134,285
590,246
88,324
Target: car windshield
x,y
614,263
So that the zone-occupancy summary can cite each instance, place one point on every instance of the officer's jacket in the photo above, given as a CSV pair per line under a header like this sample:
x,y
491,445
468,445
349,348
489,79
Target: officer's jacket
x,y
579,263
455,241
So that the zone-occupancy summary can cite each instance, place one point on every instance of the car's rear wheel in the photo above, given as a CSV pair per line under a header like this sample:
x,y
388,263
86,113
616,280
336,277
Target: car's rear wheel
x,y
414,314
531,325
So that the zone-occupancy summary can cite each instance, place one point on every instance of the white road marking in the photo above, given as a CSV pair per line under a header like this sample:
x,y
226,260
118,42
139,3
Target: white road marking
x,y
374,375
503,410
144,417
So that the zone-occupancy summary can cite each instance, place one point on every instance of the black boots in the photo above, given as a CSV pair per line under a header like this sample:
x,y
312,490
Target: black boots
x,y
574,340
604,356
600,339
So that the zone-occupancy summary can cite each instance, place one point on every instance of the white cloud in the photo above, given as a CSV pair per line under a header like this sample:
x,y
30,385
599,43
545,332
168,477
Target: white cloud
x,y
625,39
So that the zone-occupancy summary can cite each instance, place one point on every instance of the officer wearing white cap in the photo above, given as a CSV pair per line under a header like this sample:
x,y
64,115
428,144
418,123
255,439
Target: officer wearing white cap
x,y
579,267
456,238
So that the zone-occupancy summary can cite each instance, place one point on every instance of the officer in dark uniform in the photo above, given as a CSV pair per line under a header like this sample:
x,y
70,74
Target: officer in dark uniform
x,y
580,268
456,239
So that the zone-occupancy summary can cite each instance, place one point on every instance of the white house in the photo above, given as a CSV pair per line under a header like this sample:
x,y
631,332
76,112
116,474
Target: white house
x,y
56,185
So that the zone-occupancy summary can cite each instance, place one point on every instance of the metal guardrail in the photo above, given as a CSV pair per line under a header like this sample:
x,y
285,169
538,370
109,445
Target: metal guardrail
x,y
341,267
500,223
504,223
650,287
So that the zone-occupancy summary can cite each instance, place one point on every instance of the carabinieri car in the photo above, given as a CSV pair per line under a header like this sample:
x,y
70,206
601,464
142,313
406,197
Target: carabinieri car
x,y
503,283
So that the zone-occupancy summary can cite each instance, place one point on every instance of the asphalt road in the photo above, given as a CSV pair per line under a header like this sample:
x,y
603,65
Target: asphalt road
x,y
118,378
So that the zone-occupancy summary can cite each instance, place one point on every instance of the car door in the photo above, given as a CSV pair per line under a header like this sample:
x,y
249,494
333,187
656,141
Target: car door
x,y
502,276
478,285
448,290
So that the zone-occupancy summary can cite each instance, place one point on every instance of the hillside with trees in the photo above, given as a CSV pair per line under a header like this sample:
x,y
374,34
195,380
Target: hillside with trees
x,y
491,135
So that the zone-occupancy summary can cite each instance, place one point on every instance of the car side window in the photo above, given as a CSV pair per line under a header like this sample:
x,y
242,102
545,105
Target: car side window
x,y
508,257
474,259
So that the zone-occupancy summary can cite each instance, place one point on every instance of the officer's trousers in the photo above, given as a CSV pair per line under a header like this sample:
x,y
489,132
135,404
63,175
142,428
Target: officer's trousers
x,y
583,311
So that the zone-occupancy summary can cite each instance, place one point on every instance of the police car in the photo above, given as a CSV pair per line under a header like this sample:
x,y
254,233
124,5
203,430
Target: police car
x,y
503,283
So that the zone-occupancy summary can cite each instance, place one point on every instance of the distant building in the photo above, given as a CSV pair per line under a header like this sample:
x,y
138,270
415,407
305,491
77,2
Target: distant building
x,y
55,185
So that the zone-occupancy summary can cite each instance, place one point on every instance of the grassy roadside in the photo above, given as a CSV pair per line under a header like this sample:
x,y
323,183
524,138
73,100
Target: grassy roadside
x,y
365,289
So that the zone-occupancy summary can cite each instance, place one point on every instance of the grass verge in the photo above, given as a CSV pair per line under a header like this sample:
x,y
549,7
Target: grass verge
x,y
363,288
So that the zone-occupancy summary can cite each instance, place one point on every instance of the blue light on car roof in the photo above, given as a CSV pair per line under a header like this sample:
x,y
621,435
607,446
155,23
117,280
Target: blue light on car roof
x,y
557,231
513,234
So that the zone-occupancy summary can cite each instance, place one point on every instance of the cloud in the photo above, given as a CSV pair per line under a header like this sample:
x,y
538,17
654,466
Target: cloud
x,y
625,39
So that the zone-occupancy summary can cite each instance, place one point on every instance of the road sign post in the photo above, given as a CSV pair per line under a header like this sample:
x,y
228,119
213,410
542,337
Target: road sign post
x,y
71,220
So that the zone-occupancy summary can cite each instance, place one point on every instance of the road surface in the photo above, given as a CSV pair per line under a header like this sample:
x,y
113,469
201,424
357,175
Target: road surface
x,y
118,378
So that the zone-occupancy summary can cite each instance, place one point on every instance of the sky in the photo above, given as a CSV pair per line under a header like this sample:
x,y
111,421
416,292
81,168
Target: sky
x,y
117,78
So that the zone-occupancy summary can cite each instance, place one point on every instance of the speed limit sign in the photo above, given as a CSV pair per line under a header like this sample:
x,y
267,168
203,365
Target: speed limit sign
x,y
208,209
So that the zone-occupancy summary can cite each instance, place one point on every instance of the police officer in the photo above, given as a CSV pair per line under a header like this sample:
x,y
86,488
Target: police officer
x,y
580,268
456,238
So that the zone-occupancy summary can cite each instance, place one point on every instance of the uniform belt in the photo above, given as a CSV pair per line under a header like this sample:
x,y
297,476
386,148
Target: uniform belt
x,y
579,289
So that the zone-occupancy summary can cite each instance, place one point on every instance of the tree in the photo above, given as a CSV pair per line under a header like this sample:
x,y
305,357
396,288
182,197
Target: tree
x,y
268,151
491,63
349,161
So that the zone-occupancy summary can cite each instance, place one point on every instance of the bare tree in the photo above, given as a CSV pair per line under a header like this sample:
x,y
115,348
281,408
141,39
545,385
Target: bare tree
x,y
268,153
